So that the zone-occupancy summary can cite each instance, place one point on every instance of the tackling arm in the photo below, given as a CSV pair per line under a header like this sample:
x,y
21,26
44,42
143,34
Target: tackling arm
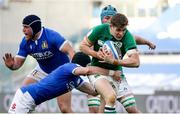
x,y
97,70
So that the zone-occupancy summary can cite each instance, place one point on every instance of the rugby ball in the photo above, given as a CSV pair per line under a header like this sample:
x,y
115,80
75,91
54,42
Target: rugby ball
x,y
111,47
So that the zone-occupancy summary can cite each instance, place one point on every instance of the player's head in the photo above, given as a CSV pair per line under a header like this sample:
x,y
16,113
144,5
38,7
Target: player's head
x,y
33,22
118,25
107,12
81,59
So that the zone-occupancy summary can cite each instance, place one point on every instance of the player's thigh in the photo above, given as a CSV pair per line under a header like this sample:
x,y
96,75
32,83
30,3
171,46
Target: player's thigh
x,y
64,99
104,87
20,104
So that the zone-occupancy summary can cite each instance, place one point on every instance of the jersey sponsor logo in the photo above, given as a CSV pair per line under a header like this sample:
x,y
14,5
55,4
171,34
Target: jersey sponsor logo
x,y
100,42
41,56
44,45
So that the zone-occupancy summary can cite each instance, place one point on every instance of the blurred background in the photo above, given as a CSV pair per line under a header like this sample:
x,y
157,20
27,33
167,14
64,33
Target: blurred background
x,y
156,83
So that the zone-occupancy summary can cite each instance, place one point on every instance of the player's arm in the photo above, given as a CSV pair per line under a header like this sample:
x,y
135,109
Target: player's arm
x,y
86,47
132,59
142,41
11,62
97,70
68,49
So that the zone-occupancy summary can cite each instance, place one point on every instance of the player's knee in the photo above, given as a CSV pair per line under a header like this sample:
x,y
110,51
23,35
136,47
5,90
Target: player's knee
x,y
111,98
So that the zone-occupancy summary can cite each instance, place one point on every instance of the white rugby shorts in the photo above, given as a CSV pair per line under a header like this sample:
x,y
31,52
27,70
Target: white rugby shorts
x,y
37,74
22,103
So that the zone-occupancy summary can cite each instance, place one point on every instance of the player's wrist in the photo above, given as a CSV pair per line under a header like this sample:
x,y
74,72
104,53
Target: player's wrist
x,y
115,62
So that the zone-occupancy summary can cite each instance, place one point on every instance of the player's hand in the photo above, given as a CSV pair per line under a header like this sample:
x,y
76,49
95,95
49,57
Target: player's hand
x,y
117,75
100,54
151,45
8,60
107,57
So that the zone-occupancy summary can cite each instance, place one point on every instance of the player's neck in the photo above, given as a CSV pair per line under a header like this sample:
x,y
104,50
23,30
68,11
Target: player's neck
x,y
36,37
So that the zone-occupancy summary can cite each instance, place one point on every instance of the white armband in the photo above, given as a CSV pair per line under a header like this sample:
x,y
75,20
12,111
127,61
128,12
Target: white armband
x,y
111,72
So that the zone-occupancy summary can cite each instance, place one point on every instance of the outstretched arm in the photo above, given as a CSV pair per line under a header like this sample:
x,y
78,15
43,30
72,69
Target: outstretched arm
x,y
11,62
87,88
97,70
142,41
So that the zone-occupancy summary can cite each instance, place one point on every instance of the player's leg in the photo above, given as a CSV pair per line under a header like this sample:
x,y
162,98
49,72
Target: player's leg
x,y
21,103
93,103
102,105
129,103
105,89
126,97
64,103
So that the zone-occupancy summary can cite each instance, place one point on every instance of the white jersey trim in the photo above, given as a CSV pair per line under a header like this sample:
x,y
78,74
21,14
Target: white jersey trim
x,y
22,57
66,41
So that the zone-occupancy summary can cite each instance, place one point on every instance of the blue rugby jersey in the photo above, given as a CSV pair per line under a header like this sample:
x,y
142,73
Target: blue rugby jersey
x,y
45,50
58,82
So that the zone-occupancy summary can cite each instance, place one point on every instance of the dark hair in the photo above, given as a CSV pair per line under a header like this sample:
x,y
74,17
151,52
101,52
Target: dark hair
x,y
81,59
34,22
119,20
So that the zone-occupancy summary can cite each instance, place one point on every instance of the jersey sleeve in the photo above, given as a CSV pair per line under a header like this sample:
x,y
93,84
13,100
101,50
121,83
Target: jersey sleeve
x,y
70,67
93,33
22,52
58,40
129,42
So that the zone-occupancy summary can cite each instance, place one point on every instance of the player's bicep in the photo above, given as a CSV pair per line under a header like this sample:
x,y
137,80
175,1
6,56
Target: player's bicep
x,y
68,49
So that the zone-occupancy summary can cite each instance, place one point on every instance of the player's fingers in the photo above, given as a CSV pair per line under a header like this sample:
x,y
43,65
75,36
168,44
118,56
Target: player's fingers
x,y
4,58
6,55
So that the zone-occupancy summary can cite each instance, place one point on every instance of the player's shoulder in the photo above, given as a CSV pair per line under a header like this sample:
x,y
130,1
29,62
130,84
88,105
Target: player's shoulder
x,y
23,41
102,26
52,34
49,31
100,29
68,65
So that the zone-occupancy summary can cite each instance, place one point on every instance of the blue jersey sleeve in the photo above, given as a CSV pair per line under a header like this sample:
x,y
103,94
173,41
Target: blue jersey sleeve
x,y
22,49
57,40
72,67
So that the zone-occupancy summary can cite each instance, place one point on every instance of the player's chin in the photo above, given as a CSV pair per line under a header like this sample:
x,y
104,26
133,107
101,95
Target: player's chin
x,y
27,38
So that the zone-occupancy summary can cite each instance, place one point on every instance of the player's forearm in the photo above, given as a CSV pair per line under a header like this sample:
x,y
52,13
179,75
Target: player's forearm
x,y
87,50
127,62
140,40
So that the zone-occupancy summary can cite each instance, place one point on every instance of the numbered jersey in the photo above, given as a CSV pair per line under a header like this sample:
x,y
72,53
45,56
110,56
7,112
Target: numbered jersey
x,y
58,82
46,50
